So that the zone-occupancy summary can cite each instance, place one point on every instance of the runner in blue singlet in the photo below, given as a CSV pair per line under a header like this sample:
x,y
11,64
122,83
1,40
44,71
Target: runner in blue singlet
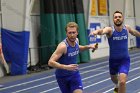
x,y
64,59
119,60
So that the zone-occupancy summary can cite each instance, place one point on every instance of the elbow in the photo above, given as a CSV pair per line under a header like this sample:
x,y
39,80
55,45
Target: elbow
x,y
100,32
50,63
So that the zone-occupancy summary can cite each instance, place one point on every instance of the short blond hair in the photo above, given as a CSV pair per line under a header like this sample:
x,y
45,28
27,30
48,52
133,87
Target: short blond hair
x,y
71,25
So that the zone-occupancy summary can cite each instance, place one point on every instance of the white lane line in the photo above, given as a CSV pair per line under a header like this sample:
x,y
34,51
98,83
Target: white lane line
x,y
39,79
36,87
94,75
111,85
126,83
109,79
57,87
133,55
104,67
94,65
21,84
97,82
55,80
54,87
53,75
137,91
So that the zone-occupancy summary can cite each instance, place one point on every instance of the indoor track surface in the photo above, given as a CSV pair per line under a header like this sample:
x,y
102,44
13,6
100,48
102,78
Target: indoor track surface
x,y
95,78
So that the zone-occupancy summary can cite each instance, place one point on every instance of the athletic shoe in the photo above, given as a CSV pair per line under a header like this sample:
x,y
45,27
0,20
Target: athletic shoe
x,y
115,90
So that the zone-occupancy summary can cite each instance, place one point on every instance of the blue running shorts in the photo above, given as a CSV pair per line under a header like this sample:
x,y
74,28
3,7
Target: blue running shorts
x,y
119,66
70,83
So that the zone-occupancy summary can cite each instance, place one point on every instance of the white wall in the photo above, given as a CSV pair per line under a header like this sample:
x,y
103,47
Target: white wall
x,y
13,14
115,5
1,69
86,10
103,49
132,39
137,13
129,7
33,44
34,31
0,25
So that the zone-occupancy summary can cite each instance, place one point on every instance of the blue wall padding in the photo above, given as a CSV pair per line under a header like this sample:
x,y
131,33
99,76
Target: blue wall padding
x,y
15,48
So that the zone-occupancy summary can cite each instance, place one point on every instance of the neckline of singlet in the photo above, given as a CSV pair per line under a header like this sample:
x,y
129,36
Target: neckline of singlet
x,y
67,43
113,28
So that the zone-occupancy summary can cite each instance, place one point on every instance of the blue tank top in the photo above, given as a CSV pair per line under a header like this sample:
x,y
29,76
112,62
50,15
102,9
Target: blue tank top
x,y
69,58
118,44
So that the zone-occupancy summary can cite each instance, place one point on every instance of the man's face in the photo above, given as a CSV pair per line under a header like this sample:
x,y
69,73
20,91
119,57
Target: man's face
x,y
118,19
72,33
